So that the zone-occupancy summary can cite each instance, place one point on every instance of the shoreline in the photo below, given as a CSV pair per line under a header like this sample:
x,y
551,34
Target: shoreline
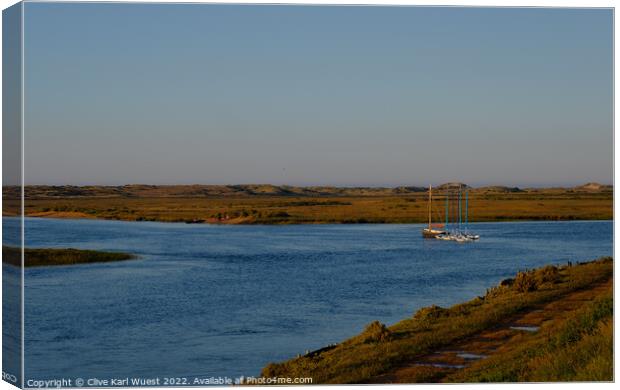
x,y
553,313
94,218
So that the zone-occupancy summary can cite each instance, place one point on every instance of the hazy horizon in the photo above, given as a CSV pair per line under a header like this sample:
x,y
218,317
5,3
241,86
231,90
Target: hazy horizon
x,y
434,184
309,95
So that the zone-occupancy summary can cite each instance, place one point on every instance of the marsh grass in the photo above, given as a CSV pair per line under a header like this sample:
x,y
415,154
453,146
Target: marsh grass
x,y
46,256
579,348
357,360
371,207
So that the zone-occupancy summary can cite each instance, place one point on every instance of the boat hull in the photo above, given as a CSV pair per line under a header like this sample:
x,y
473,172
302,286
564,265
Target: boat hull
x,y
431,233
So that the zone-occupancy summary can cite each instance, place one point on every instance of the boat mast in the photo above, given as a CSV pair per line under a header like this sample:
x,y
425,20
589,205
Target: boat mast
x,y
460,209
466,210
430,205
447,207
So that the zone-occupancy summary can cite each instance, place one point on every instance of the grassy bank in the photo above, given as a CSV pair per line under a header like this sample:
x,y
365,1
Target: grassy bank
x,y
43,257
285,206
550,324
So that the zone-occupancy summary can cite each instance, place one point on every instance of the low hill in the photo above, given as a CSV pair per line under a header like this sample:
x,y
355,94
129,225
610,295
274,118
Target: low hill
x,y
197,191
500,189
259,190
452,186
594,187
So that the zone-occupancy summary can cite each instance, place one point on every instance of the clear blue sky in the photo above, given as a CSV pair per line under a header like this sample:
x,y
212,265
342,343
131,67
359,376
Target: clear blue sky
x,y
302,95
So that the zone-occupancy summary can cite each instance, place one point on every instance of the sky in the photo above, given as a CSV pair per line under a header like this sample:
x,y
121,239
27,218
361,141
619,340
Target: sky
x,y
310,95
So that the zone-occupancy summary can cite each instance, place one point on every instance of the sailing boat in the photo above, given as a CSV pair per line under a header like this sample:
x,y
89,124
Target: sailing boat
x,y
429,232
457,234
468,236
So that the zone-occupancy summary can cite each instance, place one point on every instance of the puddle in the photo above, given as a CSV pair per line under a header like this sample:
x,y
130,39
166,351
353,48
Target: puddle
x,y
526,328
470,356
464,354
441,365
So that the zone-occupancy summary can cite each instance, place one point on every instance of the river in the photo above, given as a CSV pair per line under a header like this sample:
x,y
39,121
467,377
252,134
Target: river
x,y
206,300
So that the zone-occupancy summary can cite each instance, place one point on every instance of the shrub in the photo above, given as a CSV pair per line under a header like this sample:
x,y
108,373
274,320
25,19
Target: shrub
x,y
430,313
376,332
549,273
271,370
525,282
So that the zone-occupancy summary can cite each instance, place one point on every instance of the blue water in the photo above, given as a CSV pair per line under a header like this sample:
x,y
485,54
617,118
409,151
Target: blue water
x,y
225,300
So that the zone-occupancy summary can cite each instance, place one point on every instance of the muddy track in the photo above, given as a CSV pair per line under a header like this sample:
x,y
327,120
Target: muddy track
x,y
479,346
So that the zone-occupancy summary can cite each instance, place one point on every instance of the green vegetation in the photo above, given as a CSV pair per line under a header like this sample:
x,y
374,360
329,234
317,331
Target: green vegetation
x,y
567,308
579,348
255,204
43,257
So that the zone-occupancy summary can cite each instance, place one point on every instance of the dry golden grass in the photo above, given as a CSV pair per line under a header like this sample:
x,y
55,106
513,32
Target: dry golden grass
x,y
572,306
375,207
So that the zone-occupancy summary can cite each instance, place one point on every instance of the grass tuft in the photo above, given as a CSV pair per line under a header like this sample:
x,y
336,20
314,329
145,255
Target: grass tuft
x,y
376,332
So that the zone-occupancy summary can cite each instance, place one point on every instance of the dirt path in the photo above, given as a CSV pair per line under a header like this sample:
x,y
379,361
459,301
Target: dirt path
x,y
490,341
